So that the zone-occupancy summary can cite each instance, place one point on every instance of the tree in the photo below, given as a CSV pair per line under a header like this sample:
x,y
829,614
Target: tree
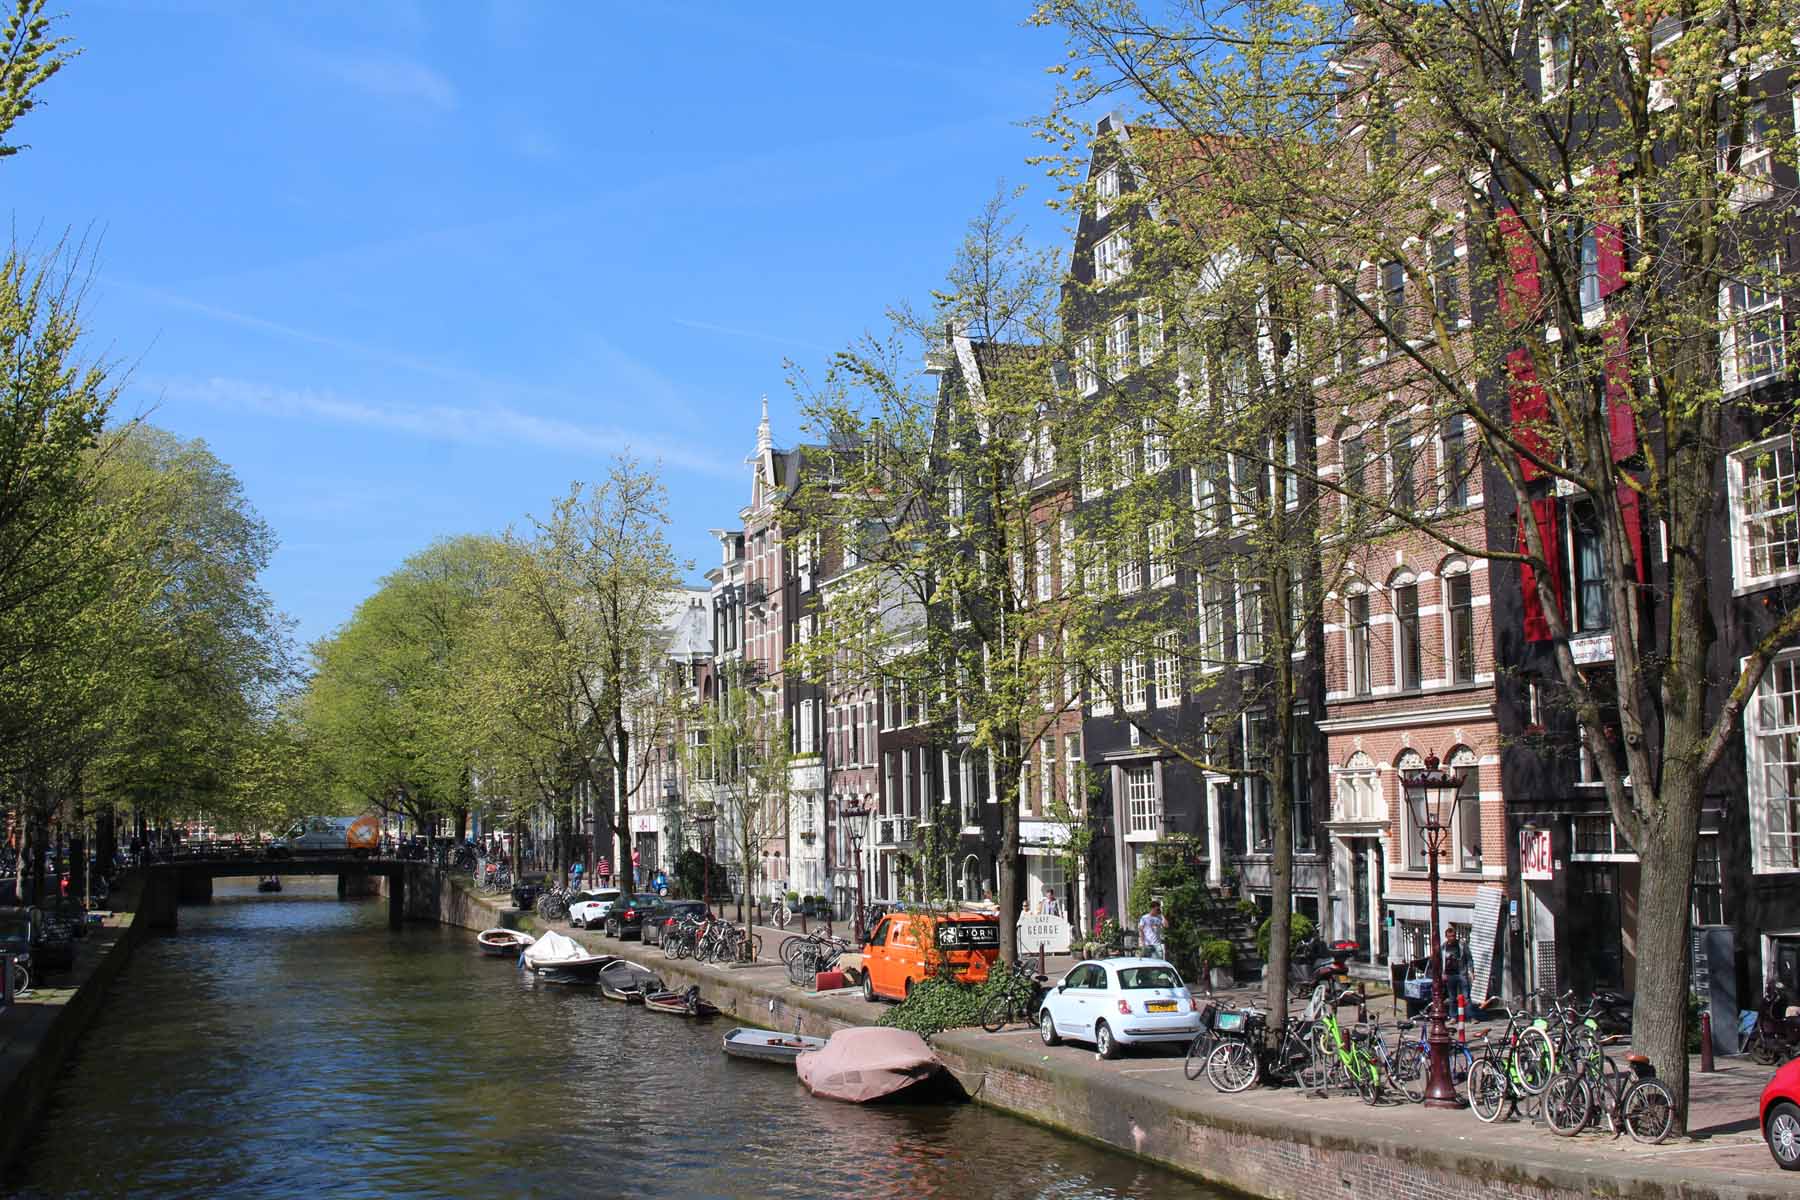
x,y
742,758
936,498
29,57
1608,169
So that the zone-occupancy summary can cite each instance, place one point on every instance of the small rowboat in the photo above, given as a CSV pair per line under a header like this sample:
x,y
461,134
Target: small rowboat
x,y
503,943
628,982
766,1045
681,1004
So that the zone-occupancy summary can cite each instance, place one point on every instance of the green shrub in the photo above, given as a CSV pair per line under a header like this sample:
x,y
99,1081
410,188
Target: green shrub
x,y
1300,927
1216,952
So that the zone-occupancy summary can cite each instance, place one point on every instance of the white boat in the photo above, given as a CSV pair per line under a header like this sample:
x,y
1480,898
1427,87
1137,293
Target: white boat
x,y
563,960
503,943
769,1045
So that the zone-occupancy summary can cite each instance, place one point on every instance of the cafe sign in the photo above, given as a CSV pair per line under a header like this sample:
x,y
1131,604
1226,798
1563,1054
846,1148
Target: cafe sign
x,y
1052,934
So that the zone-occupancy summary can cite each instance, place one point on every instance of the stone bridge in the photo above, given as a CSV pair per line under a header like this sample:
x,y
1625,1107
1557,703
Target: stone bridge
x,y
168,885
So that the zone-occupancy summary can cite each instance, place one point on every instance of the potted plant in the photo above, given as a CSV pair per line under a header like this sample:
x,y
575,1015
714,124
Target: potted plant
x,y
1215,956
793,902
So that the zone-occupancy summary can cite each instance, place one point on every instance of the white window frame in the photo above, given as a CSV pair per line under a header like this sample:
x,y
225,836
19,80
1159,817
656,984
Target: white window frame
x,y
1166,669
1130,571
1250,623
1112,258
1118,347
1095,475
1099,700
1143,803
1075,772
1150,331
1217,601
1737,314
1043,586
1160,536
1134,678
1761,468
1771,718
1156,447
1106,191
1087,377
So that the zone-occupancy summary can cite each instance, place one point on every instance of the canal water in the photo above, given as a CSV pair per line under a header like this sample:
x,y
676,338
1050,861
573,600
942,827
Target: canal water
x,y
289,1044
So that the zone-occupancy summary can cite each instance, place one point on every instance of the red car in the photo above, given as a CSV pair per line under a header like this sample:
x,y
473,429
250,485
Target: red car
x,y
1780,1110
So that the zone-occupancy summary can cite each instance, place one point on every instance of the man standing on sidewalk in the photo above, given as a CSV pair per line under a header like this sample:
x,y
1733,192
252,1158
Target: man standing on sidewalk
x,y
1150,931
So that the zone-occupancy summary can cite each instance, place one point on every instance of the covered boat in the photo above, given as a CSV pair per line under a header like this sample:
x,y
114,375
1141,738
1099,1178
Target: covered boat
x,y
869,1063
563,960
503,943
681,1004
767,1045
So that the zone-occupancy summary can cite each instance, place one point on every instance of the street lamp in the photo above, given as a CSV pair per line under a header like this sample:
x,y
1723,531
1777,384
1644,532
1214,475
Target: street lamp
x,y
704,820
857,812
1431,796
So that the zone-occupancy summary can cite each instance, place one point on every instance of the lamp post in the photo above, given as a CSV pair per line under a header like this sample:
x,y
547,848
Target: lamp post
x,y
856,813
1431,796
705,821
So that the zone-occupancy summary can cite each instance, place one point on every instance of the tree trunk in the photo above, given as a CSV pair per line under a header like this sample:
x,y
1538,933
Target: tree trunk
x,y
1281,832
1011,883
621,746
1659,1008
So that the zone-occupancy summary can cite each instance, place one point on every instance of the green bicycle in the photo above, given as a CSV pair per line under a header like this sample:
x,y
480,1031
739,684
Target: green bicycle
x,y
1511,1069
1342,1059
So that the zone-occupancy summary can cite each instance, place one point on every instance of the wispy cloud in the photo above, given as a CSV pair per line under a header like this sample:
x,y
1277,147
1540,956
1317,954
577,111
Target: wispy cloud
x,y
754,335
489,425
390,78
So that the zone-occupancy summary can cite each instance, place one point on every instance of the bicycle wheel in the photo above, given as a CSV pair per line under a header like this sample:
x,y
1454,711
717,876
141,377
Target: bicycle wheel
x,y
1365,1073
790,945
672,945
1649,1111
1315,1073
1198,1051
1489,1094
1535,1060
800,967
1407,1069
1231,1067
1568,1104
1761,1049
997,1013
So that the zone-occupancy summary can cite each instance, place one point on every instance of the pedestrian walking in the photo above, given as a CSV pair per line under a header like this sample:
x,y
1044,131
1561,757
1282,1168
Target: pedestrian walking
x,y
1456,975
1150,931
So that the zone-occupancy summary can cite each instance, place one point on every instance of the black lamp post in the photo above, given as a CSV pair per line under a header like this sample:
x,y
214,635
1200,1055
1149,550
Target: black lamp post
x,y
1431,796
857,814
705,821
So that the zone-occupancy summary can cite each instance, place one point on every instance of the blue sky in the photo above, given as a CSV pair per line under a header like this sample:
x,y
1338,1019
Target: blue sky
x,y
411,268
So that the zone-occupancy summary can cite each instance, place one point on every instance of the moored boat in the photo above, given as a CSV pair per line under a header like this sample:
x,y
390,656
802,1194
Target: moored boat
x,y
269,883
870,1062
563,960
681,1004
503,943
626,981
768,1045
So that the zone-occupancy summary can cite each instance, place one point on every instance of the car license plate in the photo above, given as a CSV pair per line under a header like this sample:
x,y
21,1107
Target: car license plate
x,y
1160,1006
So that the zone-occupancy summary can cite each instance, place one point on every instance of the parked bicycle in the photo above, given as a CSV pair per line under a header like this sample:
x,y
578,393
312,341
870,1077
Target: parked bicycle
x,y
1633,1100
1019,995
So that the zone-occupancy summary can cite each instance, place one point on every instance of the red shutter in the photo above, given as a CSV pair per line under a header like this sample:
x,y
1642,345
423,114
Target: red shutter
x,y
1522,261
1621,420
1631,516
1611,245
1530,409
1537,626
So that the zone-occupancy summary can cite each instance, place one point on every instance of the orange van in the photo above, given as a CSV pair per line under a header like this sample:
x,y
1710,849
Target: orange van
x,y
906,948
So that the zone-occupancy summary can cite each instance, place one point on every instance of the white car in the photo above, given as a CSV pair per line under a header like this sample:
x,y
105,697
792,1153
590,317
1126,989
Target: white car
x,y
1118,1002
588,910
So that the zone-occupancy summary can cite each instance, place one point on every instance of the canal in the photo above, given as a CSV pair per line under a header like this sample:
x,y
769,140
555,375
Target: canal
x,y
280,1044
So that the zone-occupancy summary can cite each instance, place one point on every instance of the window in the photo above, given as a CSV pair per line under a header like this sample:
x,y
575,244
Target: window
x,y
1356,461
1168,668
1087,379
1459,603
1118,347
1593,610
1406,636
1468,810
1584,251
1046,776
1446,287
1359,791
1752,339
1400,463
1557,54
955,497
1361,673
1125,462
1161,536
1045,579
1215,618
1300,809
1144,804
1099,693
1709,891
806,727
1453,462
1764,524
1755,166
1150,331
1393,299
1093,470
1250,623
1595,838
1156,446
1412,835
1132,681
1772,734
1106,191
1256,759
1112,259
1131,572
1074,772
1211,497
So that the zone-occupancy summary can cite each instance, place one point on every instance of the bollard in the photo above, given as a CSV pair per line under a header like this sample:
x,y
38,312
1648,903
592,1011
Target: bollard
x,y
1462,1018
1041,970
1706,1050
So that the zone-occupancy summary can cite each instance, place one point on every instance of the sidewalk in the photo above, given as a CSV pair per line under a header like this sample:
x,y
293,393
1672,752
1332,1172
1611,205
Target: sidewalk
x,y
1280,1141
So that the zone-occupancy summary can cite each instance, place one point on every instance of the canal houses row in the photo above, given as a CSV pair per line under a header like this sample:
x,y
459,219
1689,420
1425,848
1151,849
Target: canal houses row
x,y
1410,650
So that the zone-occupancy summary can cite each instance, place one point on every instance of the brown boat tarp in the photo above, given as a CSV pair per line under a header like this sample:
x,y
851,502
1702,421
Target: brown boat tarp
x,y
867,1063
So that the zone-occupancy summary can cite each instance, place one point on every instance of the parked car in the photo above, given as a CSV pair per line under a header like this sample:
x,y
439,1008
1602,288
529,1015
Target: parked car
x,y
589,908
628,916
905,948
1780,1109
527,889
1119,1002
672,911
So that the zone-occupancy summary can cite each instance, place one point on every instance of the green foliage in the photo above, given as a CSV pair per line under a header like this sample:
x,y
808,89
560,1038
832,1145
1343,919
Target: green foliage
x,y
941,1003
1216,952
29,56
1300,927
1193,914
692,874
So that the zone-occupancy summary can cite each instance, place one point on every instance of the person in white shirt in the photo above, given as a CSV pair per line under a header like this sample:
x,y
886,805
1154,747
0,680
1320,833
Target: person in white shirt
x,y
1150,930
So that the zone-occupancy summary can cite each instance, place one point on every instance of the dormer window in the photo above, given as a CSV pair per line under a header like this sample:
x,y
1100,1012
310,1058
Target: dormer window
x,y
1106,191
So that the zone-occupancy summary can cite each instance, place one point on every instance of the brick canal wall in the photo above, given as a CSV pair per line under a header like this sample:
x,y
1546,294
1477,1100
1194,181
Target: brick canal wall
x,y
38,1034
1296,1149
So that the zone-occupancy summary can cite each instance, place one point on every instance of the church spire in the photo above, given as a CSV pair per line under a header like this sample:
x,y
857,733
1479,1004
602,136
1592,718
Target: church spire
x,y
764,442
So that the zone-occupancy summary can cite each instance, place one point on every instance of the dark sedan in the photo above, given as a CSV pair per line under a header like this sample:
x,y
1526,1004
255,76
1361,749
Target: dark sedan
x,y
526,891
627,917
672,911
